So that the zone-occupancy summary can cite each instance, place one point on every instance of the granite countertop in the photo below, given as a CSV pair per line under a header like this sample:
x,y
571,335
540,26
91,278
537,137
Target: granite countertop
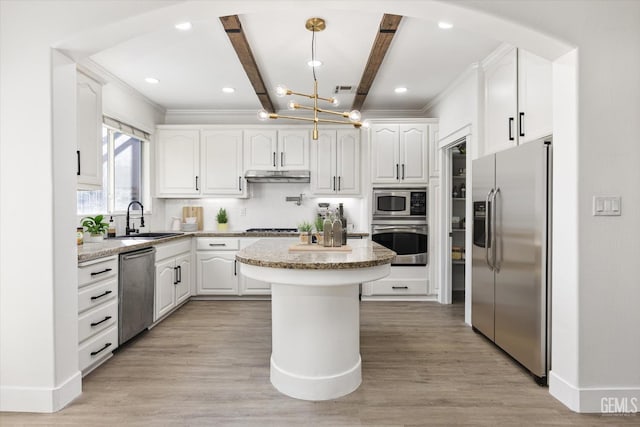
x,y
275,254
110,247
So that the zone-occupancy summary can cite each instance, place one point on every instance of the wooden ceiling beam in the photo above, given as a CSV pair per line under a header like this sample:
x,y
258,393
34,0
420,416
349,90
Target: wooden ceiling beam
x,y
388,26
238,39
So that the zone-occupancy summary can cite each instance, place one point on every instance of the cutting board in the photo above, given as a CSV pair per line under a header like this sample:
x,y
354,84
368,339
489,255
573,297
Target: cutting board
x,y
301,247
196,211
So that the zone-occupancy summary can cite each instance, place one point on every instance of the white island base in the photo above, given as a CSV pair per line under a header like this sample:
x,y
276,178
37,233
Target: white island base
x,y
315,329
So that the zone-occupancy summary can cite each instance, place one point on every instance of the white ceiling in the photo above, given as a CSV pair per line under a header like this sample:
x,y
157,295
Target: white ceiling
x,y
193,66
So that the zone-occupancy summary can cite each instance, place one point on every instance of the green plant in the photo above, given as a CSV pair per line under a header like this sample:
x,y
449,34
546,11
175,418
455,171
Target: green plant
x,y
221,217
304,227
319,224
94,225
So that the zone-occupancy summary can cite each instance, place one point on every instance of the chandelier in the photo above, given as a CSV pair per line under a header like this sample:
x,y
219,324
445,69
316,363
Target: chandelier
x,y
314,25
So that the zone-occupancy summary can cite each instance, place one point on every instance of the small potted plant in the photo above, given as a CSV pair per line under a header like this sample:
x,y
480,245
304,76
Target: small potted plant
x,y
305,232
222,219
95,227
319,224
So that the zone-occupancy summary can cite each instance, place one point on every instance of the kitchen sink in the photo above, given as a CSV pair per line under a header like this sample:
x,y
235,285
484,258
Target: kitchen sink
x,y
147,236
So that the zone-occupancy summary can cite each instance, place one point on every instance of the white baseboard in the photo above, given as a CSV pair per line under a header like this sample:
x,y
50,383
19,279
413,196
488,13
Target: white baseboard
x,y
40,399
601,400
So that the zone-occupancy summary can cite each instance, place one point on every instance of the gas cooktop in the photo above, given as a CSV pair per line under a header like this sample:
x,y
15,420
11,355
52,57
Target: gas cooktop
x,y
272,230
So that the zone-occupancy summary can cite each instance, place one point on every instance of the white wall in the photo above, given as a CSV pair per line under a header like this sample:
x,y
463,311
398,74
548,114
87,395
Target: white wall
x,y
130,107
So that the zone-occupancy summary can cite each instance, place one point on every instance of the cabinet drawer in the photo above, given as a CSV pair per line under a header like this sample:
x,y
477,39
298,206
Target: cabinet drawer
x,y
98,347
97,320
168,250
94,271
96,294
399,287
217,244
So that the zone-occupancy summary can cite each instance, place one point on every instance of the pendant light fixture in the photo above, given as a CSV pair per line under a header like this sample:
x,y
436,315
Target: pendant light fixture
x,y
314,25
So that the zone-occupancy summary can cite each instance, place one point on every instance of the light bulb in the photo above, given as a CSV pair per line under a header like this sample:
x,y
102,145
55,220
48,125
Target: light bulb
x,y
355,116
445,25
263,115
291,105
400,89
335,102
183,26
281,90
314,63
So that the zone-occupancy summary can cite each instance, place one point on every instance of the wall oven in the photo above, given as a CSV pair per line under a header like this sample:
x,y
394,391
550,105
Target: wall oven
x,y
399,222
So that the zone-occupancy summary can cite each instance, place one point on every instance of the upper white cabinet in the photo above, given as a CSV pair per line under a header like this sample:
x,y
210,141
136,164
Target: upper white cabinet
x,y
399,153
88,133
435,159
221,162
178,162
191,162
518,89
284,149
335,163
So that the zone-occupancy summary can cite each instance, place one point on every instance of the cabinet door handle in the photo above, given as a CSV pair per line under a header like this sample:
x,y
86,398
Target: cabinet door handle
x,y
339,182
179,274
511,138
399,287
334,183
282,158
521,123
107,345
397,171
78,154
175,275
217,244
403,171
100,296
239,183
197,189
235,267
106,270
102,321
274,159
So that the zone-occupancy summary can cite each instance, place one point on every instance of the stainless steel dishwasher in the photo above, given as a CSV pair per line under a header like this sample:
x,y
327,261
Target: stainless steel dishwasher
x,y
136,288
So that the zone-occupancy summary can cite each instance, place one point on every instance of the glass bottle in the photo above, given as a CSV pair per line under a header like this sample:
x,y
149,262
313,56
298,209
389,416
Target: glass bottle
x,y
343,221
326,231
336,232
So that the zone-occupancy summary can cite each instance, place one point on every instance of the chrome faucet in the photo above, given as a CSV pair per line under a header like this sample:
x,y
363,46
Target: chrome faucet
x,y
128,229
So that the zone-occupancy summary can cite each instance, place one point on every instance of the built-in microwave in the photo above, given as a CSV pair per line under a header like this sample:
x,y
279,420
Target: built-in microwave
x,y
397,202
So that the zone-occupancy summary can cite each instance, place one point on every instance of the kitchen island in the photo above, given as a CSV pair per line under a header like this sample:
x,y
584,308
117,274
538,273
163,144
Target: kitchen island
x,y
315,313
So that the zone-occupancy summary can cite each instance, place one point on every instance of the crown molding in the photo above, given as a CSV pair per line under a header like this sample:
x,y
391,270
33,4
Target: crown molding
x,y
496,54
96,70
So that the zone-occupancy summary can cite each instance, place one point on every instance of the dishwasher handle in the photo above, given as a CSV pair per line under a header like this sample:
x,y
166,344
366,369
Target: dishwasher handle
x,y
138,254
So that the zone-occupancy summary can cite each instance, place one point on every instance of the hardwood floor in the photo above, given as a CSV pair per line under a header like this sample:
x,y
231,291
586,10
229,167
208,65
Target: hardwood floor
x,y
208,364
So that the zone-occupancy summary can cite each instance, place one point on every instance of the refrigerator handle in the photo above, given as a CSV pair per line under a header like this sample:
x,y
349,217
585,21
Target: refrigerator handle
x,y
486,230
494,244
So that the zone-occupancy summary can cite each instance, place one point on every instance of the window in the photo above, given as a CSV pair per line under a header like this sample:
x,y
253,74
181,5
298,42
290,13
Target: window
x,y
124,174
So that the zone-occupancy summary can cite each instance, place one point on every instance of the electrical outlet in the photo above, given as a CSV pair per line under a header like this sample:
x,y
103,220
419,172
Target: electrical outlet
x,y
607,206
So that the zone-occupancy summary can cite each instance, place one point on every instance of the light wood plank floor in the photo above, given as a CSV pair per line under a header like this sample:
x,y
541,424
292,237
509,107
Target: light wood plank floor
x,y
208,364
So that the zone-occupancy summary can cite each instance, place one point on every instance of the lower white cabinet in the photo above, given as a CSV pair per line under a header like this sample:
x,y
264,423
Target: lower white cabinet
x,y
173,276
217,273
97,312
403,282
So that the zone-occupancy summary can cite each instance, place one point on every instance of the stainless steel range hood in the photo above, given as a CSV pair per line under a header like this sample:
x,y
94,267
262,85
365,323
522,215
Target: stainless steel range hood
x,y
278,176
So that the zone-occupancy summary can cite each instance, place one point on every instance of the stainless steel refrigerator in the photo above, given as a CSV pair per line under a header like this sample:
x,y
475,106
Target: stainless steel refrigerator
x,y
511,275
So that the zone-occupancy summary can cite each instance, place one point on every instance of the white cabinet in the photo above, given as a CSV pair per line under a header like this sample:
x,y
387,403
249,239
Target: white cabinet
x,y
435,159
173,276
517,102
178,162
401,283
221,162
248,286
97,312
284,149
88,133
216,266
399,153
335,163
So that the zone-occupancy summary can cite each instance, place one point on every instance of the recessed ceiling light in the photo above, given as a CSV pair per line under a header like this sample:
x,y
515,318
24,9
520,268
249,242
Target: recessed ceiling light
x,y
401,89
228,90
152,80
314,63
183,26
445,25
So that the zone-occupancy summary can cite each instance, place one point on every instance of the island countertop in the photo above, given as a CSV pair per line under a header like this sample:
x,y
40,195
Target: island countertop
x,y
275,254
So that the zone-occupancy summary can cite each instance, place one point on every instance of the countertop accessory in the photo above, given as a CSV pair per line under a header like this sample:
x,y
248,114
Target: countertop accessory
x,y
222,220
95,227
318,248
193,212
189,227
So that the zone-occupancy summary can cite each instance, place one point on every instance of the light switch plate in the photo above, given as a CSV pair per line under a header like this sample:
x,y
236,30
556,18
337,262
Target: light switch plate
x,y
607,206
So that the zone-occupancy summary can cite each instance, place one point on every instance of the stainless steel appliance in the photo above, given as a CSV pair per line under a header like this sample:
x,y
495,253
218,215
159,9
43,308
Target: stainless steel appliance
x,y
136,285
399,222
396,202
511,252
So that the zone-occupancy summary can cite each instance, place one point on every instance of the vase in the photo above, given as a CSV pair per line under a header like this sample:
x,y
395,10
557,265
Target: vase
x,y
93,238
223,226
305,237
